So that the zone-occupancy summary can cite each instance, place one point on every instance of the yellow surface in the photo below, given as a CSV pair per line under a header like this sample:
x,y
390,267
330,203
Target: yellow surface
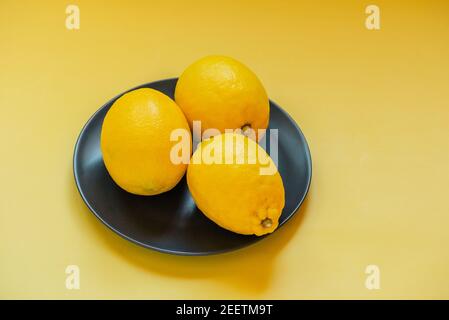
x,y
374,106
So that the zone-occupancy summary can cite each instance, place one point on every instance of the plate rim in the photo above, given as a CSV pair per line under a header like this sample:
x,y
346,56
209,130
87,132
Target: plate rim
x,y
180,252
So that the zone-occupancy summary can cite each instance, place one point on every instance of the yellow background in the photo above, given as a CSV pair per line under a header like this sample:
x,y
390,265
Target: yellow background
x,y
374,106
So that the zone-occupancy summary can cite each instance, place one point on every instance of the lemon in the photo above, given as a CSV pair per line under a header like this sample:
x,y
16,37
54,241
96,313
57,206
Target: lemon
x,y
135,142
222,93
227,183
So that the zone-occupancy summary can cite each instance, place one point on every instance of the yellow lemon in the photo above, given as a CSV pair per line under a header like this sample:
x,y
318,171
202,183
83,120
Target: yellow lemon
x,y
235,183
222,93
136,144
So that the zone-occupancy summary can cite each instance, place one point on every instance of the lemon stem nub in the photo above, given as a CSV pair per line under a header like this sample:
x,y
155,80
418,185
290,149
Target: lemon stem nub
x,y
267,223
245,128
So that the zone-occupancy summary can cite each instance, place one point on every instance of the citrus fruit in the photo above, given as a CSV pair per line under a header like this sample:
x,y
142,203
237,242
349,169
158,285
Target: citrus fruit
x,y
227,181
222,93
136,144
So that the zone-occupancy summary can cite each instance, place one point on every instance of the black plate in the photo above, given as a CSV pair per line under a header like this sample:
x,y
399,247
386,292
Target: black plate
x,y
170,222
